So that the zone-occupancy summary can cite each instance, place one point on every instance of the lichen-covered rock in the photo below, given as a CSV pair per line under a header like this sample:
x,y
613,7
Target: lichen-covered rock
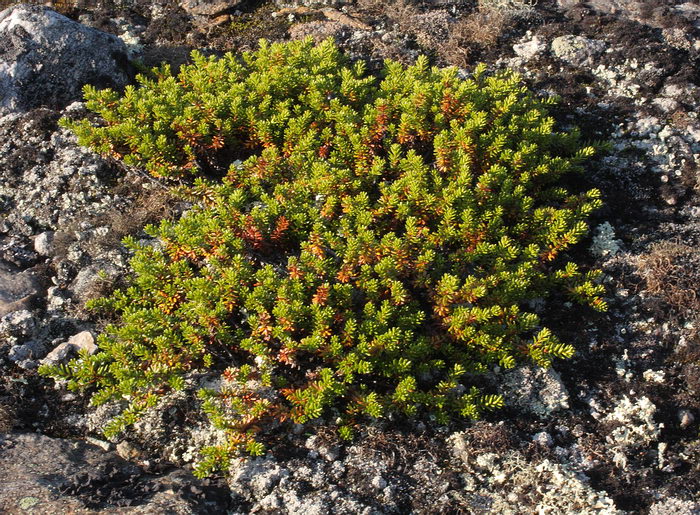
x,y
46,58
577,50
535,390
674,506
530,48
18,324
504,483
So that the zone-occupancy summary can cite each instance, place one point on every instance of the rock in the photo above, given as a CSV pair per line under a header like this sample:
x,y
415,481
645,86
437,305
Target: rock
x,y
529,49
282,4
27,354
210,8
46,58
102,444
674,506
577,50
127,451
568,4
18,290
78,342
535,390
379,482
87,284
685,418
14,251
543,438
43,243
18,324
53,475
255,477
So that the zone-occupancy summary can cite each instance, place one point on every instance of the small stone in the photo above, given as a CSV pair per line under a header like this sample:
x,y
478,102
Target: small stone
x,y
543,438
568,4
379,482
18,324
686,418
90,279
80,341
529,49
28,351
654,376
208,7
99,443
43,243
127,451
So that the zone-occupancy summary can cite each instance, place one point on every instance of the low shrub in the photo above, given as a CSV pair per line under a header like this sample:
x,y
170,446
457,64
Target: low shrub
x,y
374,251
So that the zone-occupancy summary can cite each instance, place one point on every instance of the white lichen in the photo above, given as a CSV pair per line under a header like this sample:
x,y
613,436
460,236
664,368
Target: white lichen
x,y
604,242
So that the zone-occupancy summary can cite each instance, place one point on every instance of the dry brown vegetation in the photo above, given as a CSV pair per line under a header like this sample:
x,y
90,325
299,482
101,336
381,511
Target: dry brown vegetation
x,y
672,274
451,37
671,271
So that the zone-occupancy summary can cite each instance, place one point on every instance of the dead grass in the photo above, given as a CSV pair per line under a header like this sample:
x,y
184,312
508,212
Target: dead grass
x,y
454,40
671,271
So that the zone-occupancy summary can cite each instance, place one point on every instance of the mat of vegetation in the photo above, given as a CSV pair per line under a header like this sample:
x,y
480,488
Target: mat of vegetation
x,y
359,246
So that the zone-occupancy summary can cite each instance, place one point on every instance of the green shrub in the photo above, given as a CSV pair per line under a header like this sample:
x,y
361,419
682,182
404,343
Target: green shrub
x,y
374,252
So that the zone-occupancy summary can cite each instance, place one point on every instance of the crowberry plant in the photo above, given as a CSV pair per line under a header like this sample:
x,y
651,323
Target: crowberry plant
x,y
357,246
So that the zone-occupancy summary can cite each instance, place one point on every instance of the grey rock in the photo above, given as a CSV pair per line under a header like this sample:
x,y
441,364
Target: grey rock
x,y
46,58
535,390
87,283
43,243
577,50
18,290
34,468
15,251
209,7
255,478
26,355
568,4
18,324
529,49
128,451
674,506
81,341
